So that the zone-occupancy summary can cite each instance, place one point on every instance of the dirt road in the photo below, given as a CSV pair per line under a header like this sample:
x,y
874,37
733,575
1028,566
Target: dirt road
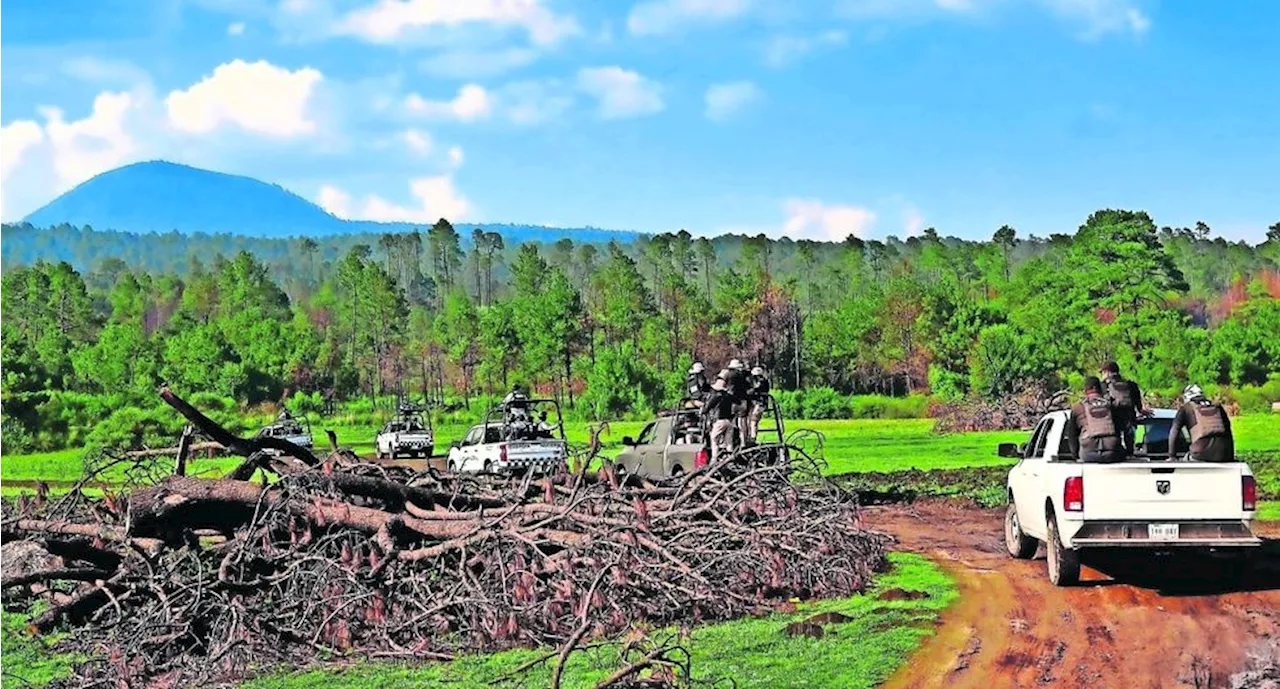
x,y
1166,626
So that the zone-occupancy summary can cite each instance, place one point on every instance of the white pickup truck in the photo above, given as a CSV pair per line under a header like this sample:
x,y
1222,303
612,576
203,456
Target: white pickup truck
x,y
500,446
1146,502
407,435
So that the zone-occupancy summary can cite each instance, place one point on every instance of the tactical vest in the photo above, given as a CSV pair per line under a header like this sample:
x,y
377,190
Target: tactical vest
x,y
1121,393
1208,421
1098,422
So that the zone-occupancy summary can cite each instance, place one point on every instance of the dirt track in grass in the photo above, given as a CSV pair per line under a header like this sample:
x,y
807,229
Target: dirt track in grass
x,y
1133,623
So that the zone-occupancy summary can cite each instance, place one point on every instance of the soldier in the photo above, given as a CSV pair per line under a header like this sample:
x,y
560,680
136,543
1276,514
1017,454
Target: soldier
x,y
1092,433
1126,402
1208,425
696,382
735,378
718,417
758,391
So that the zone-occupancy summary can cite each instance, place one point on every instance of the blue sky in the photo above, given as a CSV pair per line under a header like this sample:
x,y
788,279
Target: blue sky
x,y
807,118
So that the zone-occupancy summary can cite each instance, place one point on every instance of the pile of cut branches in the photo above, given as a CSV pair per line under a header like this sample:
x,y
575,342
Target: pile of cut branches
x,y
193,582
1019,410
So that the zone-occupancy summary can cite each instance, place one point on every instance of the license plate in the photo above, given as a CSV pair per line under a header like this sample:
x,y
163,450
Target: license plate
x,y
1162,532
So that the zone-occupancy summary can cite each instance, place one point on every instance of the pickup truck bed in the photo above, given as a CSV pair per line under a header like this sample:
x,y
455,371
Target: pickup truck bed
x,y
1157,505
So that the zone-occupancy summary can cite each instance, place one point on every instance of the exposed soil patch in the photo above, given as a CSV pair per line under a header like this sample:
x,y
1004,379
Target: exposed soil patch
x,y
1134,622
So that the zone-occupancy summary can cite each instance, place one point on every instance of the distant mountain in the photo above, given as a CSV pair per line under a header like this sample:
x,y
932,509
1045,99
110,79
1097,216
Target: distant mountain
x,y
159,196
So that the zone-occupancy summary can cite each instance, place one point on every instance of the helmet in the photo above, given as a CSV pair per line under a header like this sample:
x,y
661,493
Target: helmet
x,y
697,367
719,385
1192,392
757,371
736,364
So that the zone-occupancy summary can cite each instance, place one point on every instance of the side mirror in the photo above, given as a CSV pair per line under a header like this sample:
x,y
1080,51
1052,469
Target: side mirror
x,y
1008,450
628,440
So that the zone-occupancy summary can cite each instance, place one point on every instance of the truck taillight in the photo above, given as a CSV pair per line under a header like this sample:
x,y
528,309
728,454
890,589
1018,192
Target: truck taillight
x,y
701,459
502,452
1249,493
1073,494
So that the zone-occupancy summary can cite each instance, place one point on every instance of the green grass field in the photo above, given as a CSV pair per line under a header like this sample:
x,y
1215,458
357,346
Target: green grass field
x,y
850,447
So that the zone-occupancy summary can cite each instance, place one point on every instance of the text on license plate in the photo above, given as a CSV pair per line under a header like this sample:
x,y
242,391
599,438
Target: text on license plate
x,y
1162,532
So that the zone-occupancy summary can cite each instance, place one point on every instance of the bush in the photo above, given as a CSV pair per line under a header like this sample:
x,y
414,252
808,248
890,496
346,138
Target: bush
x,y
826,403
305,404
15,437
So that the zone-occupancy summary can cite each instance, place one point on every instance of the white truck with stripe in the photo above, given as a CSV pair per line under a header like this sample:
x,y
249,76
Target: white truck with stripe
x,y
513,443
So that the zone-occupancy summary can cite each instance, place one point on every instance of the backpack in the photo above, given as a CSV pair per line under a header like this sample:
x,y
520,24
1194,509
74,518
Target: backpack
x,y
1121,393
1209,423
1098,421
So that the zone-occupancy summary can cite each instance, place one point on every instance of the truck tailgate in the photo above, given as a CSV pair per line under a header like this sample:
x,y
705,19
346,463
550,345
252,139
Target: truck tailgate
x,y
1162,491
526,452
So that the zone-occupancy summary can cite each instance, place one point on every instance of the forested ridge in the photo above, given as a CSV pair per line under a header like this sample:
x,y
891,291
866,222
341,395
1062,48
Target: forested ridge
x,y
611,328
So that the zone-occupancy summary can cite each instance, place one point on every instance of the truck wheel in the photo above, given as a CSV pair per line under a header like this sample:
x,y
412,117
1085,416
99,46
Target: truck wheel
x,y
1064,563
488,466
377,453
1020,545
430,451
452,466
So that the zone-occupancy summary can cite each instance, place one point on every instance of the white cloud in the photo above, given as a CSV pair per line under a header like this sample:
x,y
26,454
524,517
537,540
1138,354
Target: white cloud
x,y
1095,17
235,29
97,143
813,219
335,200
473,64
455,156
436,197
388,21
418,141
535,102
1100,17
258,97
621,93
16,138
724,100
912,221
472,102
784,50
667,16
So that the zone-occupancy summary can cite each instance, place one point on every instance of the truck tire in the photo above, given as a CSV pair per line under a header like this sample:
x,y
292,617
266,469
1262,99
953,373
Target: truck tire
x,y
430,451
1064,563
1020,545
488,466
453,467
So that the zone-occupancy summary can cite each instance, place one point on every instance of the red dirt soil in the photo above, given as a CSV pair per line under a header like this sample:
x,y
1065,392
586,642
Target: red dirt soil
x,y
1158,623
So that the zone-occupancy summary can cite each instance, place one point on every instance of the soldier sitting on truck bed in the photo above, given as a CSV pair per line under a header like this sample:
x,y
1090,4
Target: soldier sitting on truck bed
x,y
1208,425
1091,430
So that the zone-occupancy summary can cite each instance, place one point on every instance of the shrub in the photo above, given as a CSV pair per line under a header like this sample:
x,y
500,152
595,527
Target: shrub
x,y
15,437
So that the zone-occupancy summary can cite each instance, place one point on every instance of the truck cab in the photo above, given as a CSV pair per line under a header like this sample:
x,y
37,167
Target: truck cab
x,y
676,442
1145,502
668,446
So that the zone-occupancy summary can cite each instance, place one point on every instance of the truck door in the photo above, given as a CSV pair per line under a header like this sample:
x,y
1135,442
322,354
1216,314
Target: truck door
x,y
644,451
1027,480
656,452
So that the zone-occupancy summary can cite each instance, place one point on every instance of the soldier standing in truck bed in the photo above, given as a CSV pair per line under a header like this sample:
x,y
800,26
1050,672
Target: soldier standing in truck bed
x,y
1092,432
1208,425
